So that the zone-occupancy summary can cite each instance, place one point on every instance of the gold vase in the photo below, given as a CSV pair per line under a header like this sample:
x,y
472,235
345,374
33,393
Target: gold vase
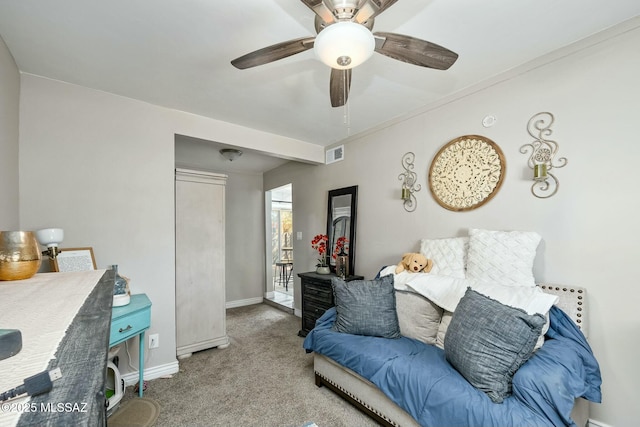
x,y
20,256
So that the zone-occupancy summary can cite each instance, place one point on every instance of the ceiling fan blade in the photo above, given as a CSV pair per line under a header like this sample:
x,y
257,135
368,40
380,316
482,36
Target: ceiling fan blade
x,y
320,9
371,9
273,53
415,51
339,86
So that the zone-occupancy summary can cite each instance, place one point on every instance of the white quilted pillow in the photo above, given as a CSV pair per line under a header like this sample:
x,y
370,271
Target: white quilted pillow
x,y
503,257
449,255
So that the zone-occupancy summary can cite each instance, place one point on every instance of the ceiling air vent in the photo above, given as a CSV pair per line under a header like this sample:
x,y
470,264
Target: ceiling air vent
x,y
335,154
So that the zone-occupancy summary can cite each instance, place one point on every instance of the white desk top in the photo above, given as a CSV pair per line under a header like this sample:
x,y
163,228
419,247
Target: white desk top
x,y
42,308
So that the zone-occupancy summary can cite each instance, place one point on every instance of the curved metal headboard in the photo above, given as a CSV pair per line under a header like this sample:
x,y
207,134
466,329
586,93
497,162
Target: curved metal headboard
x,y
572,300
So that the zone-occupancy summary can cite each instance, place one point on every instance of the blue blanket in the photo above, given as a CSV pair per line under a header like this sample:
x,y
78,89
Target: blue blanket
x,y
418,378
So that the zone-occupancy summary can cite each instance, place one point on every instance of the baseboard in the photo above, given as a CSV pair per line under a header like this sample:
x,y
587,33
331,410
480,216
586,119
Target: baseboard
x,y
297,312
243,302
131,378
596,423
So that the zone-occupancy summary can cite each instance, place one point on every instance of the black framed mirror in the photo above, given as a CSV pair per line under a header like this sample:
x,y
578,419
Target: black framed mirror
x,y
341,221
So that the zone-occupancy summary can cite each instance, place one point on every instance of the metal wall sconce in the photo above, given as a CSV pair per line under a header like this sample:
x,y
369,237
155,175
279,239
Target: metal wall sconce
x,y
409,185
542,156
51,238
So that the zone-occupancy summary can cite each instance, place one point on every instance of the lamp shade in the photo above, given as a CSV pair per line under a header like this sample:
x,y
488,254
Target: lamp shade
x,y
230,153
50,237
344,45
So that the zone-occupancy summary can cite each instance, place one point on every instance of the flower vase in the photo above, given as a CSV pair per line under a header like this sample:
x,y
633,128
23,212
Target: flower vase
x,y
323,269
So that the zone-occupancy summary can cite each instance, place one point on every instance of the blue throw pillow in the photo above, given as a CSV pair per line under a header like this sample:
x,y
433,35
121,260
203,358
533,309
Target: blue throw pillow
x,y
366,307
487,342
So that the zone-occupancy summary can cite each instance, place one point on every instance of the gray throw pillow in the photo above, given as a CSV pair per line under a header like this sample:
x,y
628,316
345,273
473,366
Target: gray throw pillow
x,y
487,342
418,317
366,307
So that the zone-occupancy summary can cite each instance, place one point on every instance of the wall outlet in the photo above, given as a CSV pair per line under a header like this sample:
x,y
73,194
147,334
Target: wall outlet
x,y
154,341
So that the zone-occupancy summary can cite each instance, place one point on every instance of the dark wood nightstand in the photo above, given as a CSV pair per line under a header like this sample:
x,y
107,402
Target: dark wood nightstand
x,y
317,297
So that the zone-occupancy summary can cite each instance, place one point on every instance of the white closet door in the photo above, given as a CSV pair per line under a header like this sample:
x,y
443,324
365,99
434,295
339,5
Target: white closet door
x,y
200,261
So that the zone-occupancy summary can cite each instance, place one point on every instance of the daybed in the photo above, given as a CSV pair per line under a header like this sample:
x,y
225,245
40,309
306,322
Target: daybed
x,y
413,381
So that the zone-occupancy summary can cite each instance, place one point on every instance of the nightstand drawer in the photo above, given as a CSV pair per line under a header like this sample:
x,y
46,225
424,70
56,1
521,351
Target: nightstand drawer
x,y
125,328
130,320
318,291
314,308
308,322
314,311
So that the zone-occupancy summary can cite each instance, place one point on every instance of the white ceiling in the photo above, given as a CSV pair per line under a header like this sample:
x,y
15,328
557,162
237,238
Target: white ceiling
x,y
177,53
199,154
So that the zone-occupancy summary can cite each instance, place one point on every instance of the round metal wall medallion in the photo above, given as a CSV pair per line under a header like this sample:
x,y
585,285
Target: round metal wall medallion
x,y
466,173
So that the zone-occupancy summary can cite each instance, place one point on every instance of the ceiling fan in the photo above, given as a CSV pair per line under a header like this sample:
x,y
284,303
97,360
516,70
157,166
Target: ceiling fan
x,y
345,39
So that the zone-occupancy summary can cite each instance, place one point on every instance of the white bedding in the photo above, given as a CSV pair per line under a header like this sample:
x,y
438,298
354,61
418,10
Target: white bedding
x,y
446,291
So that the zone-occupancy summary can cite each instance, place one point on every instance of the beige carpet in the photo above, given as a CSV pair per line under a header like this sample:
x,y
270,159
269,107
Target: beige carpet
x,y
263,379
137,412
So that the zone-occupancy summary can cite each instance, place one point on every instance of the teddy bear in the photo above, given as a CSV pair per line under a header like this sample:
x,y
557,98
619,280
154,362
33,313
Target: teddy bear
x,y
414,263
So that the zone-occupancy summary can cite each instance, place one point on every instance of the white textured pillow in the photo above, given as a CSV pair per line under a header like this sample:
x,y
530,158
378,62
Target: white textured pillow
x,y
504,257
449,255
418,317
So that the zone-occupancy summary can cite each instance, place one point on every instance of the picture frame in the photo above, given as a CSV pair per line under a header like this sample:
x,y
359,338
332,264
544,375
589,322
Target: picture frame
x,y
74,259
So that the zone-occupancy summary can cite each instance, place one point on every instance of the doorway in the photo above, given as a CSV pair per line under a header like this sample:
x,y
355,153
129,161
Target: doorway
x,y
279,250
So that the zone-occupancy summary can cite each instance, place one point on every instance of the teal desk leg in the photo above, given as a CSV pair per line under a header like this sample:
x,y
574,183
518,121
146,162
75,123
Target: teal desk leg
x,y
141,365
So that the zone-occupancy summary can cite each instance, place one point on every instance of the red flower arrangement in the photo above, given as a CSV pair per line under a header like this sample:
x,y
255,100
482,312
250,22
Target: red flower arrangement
x,y
319,243
340,246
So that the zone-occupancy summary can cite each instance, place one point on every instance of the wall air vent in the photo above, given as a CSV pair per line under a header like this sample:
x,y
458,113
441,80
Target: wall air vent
x,y
335,154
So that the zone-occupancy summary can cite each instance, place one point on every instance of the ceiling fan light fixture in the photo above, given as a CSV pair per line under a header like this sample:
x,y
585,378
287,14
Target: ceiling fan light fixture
x,y
230,153
344,45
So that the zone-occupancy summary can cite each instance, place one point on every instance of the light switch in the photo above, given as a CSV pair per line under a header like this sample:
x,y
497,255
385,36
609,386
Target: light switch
x,y
299,235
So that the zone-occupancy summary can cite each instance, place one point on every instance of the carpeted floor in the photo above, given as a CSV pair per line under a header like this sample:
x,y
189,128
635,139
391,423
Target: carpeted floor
x,y
263,379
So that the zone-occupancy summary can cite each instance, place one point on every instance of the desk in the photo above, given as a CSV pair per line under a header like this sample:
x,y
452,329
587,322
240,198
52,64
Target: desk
x,y
128,321
75,307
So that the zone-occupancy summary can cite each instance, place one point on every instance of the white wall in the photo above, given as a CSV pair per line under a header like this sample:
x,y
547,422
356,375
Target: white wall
x,y
589,227
245,229
9,102
102,167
